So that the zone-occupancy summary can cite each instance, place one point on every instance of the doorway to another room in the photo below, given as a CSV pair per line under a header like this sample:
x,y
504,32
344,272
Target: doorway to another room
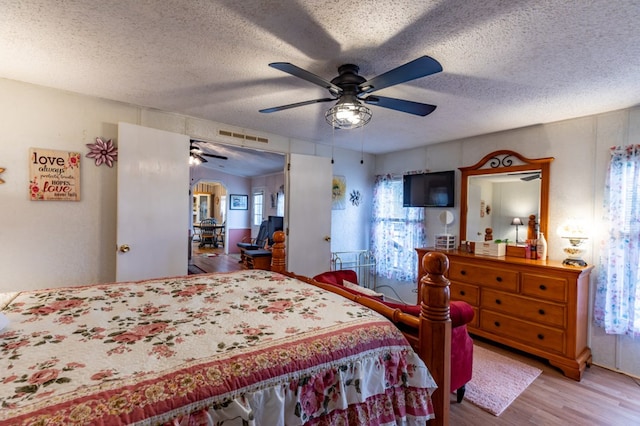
x,y
209,243
209,201
302,190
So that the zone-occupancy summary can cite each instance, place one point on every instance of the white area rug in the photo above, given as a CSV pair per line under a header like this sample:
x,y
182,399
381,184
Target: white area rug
x,y
497,380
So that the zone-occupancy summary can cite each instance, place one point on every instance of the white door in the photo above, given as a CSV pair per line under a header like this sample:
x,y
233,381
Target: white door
x,y
309,214
153,203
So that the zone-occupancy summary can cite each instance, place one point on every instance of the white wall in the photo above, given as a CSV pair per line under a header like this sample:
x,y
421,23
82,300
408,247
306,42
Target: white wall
x,y
359,177
581,150
513,199
56,243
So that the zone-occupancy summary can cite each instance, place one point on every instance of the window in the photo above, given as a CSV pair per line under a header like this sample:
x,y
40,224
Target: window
x,y
617,304
258,207
395,231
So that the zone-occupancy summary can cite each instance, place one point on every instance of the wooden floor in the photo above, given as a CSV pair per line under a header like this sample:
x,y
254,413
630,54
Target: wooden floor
x,y
211,259
603,397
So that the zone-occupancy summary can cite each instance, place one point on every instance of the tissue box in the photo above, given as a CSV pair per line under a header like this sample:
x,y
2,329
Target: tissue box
x,y
489,248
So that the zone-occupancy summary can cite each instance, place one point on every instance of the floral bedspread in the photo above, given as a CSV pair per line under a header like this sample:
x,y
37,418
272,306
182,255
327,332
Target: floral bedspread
x,y
249,347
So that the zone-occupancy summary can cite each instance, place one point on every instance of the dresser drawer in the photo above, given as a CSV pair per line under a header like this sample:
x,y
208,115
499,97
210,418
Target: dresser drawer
x,y
494,277
544,286
465,292
524,308
540,336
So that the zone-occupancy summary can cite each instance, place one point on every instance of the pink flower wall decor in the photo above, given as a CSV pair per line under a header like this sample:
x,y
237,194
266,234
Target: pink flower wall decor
x,y
103,152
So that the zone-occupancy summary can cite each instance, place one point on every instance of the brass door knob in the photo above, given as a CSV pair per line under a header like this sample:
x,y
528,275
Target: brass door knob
x,y
124,248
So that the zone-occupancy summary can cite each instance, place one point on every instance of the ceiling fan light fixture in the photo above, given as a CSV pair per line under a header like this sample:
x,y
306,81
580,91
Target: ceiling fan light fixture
x,y
348,113
196,159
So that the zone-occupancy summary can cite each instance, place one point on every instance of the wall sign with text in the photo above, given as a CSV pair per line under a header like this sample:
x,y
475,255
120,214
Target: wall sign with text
x,y
54,175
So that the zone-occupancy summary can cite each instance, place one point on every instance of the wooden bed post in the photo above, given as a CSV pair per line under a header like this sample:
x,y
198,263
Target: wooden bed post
x,y
278,252
429,333
435,331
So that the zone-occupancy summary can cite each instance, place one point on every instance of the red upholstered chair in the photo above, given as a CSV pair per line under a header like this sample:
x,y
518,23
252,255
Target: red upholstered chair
x,y
461,314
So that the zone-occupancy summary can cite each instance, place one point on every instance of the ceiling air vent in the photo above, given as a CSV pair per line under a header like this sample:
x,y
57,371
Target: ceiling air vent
x,y
242,136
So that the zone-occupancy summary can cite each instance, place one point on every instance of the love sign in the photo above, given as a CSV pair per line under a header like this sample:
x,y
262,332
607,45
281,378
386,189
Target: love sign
x,y
54,175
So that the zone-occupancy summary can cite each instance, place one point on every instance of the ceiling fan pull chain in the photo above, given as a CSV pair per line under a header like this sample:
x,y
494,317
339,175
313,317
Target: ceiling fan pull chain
x,y
333,141
362,145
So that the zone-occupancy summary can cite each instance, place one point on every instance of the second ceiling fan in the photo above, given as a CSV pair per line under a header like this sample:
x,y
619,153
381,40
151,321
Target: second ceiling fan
x,y
351,90
196,152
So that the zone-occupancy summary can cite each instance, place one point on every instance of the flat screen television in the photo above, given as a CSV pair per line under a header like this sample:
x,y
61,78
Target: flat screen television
x,y
435,189
275,223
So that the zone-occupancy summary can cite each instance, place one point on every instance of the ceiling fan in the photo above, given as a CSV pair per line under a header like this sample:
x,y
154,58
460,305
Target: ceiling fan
x,y
198,153
529,175
351,89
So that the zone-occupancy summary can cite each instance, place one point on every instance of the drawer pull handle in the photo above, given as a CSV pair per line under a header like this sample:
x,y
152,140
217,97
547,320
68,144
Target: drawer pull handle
x,y
463,272
498,301
499,279
541,336
497,323
462,293
541,311
543,287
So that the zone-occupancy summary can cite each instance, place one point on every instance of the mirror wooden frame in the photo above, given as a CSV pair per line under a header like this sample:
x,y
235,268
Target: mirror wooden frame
x,y
499,162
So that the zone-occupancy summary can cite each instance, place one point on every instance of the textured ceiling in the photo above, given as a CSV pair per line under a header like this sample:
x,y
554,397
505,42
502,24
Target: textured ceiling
x,y
507,64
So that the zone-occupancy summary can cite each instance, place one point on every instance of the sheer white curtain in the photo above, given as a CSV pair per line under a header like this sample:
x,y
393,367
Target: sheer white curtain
x,y
395,231
617,304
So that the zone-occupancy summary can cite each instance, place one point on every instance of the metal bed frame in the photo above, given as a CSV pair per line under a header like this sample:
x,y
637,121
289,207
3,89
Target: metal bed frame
x,y
361,261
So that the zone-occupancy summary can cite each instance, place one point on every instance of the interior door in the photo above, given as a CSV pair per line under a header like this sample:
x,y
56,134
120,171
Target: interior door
x,y
153,203
309,214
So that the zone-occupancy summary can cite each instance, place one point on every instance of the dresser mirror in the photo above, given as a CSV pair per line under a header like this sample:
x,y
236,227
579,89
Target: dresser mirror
x,y
502,186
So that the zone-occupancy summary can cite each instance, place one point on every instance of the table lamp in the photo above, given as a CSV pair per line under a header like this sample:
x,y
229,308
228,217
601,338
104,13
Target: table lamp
x,y
575,233
517,222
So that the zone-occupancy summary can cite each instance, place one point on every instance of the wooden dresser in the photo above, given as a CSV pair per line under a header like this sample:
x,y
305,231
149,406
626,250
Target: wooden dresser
x,y
539,307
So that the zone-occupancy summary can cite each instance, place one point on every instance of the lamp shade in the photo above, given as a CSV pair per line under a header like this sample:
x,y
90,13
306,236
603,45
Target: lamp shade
x,y
574,228
348,113
516,221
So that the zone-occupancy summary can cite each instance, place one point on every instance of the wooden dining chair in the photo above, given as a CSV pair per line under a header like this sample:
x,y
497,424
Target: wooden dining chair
x,y
207,232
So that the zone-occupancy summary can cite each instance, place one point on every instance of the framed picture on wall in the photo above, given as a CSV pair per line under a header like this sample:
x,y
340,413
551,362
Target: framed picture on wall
x,y
238,202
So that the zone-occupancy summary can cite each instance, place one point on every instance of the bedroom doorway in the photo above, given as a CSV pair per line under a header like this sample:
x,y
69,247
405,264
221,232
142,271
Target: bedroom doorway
x,y
304,182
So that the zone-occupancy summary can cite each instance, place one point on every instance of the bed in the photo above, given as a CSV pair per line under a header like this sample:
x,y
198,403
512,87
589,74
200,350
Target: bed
x,y
249,347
